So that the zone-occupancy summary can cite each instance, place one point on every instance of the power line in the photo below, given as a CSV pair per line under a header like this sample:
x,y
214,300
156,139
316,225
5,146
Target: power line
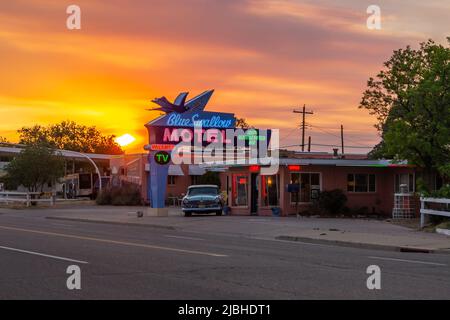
x,y
330,145
362,146
335,135
288,135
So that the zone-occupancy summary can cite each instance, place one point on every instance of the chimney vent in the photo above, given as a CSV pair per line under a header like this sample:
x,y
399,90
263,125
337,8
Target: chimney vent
x,y
335,152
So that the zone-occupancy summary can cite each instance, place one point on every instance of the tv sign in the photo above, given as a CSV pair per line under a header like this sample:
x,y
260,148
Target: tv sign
x,y
162,157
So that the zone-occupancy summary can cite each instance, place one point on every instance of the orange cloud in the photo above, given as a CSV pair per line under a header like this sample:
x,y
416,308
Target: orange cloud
x,y
263,58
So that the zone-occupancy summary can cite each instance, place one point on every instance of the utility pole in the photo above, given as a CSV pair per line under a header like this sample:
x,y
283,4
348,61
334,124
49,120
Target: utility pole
x,y
342,139
309,144
304,113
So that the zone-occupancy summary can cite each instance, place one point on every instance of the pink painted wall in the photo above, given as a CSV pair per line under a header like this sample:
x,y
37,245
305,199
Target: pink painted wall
x,y
381,201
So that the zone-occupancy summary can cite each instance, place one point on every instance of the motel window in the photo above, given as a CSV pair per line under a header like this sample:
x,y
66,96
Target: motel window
x,y
239,190
85,181
171,180
361,183
406,179
270,191
309,186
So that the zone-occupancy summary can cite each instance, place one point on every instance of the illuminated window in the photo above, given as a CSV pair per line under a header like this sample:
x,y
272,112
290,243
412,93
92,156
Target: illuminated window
x,y
309,186
239,190
270,191
361,182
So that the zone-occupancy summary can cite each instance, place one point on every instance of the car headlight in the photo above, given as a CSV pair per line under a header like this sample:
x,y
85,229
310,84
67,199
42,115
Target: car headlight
x,y
185,201
217,200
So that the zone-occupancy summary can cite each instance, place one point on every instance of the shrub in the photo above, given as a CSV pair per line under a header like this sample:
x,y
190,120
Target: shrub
x,y
435,220
444,192
332,202
104,197
126,195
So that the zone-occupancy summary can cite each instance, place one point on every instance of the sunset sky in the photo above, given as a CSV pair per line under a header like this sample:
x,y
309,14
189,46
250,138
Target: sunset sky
x,y
262,57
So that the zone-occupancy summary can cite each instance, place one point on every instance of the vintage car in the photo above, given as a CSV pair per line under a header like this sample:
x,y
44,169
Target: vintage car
x,y
202,199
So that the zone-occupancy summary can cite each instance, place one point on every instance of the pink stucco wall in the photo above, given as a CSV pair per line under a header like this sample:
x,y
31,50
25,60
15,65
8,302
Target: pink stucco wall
x,y
332,177
381,201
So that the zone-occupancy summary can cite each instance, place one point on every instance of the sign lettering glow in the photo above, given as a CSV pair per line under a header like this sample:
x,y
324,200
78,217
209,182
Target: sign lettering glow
x,y
196,119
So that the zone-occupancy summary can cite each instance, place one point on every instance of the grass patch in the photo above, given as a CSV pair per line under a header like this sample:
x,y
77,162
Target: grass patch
x,y
444,225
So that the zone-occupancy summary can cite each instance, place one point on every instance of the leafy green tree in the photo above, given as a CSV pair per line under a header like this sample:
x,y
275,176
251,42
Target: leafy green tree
x,y
69,135
411,101
34,167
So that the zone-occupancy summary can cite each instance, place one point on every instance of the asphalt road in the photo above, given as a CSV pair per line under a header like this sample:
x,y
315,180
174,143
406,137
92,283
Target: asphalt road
x,y
125,262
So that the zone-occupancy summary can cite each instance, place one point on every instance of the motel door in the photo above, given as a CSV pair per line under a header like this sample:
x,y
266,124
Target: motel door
x,y
254,192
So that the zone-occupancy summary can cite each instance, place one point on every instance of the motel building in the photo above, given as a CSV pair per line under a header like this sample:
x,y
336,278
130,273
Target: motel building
x,y
370,185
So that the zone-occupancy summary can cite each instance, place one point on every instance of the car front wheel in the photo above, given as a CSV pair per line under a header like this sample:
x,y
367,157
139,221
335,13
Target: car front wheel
x,y
187,214
219,213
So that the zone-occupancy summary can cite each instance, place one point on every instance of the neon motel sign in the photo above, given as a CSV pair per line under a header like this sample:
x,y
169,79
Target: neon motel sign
x,y
196,120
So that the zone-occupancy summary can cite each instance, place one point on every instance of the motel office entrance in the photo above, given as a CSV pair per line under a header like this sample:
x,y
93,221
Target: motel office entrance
x,y
244,192
250,193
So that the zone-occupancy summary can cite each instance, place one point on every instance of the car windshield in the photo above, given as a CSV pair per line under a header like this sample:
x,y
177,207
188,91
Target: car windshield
x,y
210,191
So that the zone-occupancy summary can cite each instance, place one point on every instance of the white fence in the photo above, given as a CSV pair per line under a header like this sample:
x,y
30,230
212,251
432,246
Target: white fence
x,y
24,197
425,211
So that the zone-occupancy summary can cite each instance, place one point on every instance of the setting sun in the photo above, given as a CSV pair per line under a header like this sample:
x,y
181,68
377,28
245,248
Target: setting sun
x,y
125,140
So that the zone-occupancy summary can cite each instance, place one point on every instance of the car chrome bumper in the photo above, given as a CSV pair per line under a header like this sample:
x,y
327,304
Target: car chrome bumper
x,y
211,209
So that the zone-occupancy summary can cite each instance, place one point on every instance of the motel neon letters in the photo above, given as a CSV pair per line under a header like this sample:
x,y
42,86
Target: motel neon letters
x,y
175,135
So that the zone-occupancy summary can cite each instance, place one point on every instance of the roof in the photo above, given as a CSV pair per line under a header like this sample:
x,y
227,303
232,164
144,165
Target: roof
x,y
320,155
64,153
175,170
338,162
343,162
203,186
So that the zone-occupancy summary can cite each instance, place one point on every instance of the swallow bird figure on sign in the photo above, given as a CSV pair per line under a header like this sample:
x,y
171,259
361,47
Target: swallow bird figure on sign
x,y
180,105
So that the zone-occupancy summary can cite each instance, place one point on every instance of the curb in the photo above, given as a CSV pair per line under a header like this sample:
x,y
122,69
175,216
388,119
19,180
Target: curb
x,y
363,245
133,224
443,231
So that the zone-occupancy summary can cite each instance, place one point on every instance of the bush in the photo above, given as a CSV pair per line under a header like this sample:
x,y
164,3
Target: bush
x,y
332,202
444,192
104,197
435,220
126,195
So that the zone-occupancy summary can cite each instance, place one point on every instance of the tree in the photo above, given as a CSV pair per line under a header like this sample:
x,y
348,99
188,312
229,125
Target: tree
x,y
411,101
34,167
3,140
242,123
210,177
69,135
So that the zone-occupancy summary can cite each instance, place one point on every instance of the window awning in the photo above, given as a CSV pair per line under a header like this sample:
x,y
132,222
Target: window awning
x,y
195,170
175,170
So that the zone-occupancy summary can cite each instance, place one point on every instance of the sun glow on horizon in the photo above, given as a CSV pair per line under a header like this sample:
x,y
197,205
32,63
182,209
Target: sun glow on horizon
x,y
125,140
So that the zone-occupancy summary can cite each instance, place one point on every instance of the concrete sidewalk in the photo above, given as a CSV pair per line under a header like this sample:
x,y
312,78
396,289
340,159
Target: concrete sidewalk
x,y
365,233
